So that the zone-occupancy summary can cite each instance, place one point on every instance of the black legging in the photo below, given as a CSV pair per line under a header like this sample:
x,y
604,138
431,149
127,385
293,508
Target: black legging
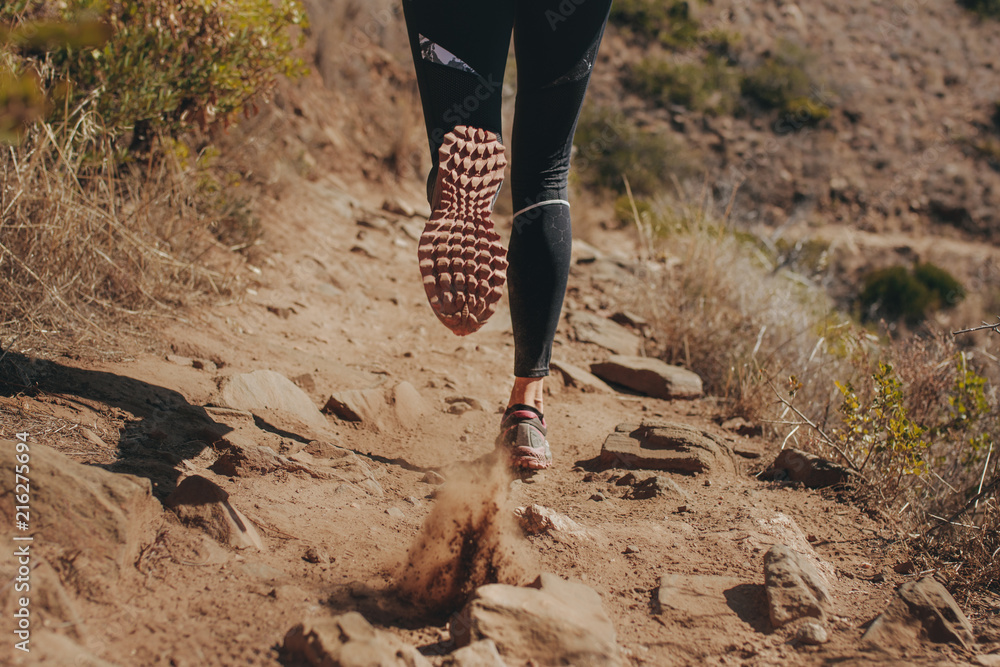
x,y
460,53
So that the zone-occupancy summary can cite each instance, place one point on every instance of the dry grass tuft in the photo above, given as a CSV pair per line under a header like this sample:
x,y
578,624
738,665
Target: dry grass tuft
x,y
82,245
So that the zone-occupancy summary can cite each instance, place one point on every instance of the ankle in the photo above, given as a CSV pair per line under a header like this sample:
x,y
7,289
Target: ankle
x,y
527,391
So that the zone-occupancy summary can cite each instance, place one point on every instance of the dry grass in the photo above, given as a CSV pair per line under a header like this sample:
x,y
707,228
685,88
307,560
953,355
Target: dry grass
x,y
86,247
770,343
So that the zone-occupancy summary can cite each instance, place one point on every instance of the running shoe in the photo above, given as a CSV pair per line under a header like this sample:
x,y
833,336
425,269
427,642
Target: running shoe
x,y
463,264
522,438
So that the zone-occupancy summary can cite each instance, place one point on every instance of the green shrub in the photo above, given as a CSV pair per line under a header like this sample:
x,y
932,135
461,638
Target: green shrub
x,y
878,431
668,22
609,146
985,8
784,80
711,86
898,294
721,42
167,66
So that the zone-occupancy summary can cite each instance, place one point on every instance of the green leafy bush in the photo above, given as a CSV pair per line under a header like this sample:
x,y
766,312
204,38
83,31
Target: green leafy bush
x,y
166,67
711,85
609,146
784,80
898,294
878,434
668,22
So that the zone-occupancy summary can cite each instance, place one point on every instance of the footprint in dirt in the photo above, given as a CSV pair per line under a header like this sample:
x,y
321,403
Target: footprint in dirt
x,y
469,539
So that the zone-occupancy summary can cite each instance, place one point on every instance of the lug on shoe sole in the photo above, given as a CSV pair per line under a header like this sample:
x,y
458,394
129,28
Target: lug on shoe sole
x,y
463,264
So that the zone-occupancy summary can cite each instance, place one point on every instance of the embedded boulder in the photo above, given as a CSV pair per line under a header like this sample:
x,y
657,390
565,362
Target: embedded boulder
x,y
666,446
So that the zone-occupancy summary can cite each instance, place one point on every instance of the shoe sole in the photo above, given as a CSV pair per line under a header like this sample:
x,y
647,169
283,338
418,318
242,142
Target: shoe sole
x,y
462,262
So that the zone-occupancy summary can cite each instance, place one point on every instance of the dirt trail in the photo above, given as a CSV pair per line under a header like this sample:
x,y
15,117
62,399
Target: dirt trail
x,y
339,306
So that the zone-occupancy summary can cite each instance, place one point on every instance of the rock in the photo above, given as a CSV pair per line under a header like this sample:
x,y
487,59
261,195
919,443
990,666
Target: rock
x,y
666,446
180,360
273,398
649,376
536,519
922,610
991,660
395,513
584,253
470,401
380,407
477,654
348,640
317,555
92,522
201,503
551,622
691,596
655,487
598,497
795,588
812,633
398,206
628,479
631,549
797,466
590,328
306,381
628,319
578,378
433,477
742,427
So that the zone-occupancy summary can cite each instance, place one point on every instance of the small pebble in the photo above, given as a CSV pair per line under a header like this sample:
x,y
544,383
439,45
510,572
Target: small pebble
x,y
812,633
598,496
631,549
316,555
708,482
682,509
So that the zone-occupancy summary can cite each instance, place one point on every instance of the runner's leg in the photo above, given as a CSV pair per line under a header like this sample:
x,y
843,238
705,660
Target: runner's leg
x,y
555,50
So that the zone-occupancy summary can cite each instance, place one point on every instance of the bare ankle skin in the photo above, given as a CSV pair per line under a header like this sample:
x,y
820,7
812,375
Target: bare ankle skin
x,y
527,391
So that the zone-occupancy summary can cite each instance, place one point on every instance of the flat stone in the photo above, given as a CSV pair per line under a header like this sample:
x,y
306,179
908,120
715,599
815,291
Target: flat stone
x,y
693,596
666,446
922,610
348,640
590,328
795,588
650,376
797,466
381,407
202,503
551,622
273,398
578,378
477,654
